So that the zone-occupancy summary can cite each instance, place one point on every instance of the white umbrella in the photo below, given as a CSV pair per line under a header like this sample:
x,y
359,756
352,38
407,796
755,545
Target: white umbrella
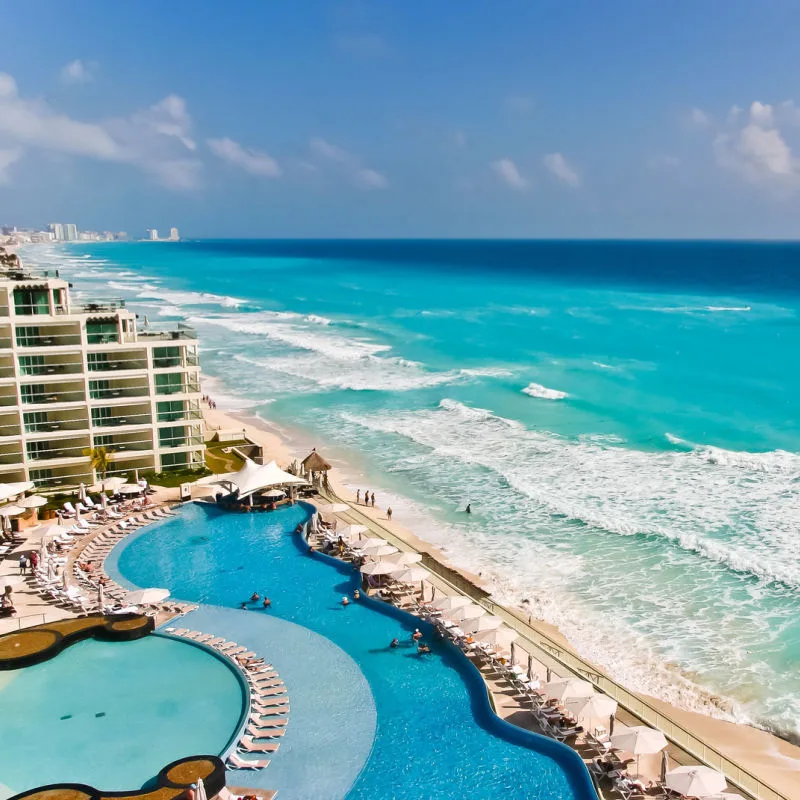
x,y
485,622
378,568
34,501
379,550
696,781
594,707
274,494
564,688
147,596
107,485
129,488
11,580
333,508
499,637
450,601
51,569
44,532
373,541
639,740
103,500
82,492
464,612
200,791
12,511
414,575
101,598
407,558
352,530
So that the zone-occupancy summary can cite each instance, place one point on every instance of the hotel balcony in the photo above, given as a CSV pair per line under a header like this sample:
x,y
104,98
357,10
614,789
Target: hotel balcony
x,y
72,448
9,425
5,337
11,454
126,444
178,411
48,335
179,437
53,423
158,333
62,478
8,396
98,306
177,356
117,362
54,364
121,416
176,383
118,389
52,392
7,372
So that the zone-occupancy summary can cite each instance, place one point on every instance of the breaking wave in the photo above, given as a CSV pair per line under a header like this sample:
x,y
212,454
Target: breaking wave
x,y
542,392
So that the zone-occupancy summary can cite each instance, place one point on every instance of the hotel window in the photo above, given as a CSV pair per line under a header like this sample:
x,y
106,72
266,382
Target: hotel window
x,y
172,437
98,332
97,361
31,365
101,416
31,301
171,383
166,357
34,421
32,392
174,460
170,410
39,475
104,441
98,389
27,335
39,450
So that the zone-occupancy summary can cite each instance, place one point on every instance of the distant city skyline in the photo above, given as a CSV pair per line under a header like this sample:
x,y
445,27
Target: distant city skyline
x,y
69,232
379,120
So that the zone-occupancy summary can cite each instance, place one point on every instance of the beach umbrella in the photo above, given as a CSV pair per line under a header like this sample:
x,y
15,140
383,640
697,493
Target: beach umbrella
x,y
588,708
350,531
696,781
486,622
200,791
147,596
82,492
639,740
464,612
107,485
564,688
449,602
44,532
34,501
11,580
12,511
378,568
129,488
274,494
332,508
499,637
103,500
51,569
379,550
407,558
413,575
372,541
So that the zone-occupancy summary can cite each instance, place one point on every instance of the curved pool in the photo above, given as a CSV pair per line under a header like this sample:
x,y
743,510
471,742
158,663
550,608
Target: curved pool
x,y
112,714
435,734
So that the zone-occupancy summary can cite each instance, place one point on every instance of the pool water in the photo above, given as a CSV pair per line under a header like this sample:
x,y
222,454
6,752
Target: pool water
x,y
112,714
434,737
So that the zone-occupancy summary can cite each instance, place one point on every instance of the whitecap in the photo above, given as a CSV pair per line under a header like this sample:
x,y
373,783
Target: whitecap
x,y
543,393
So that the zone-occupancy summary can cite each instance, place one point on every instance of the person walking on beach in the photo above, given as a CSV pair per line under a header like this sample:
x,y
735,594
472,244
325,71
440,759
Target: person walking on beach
x,y
389,513
372,503
23,564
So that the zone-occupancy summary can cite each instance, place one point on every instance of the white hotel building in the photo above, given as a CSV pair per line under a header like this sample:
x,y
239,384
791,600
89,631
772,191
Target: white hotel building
x,y
79,375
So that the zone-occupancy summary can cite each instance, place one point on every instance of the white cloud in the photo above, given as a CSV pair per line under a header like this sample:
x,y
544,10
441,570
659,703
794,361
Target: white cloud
x,y
699,118
77,71
733,115
7,158
351,165
562,169
154,140
761,114
507,171
253,161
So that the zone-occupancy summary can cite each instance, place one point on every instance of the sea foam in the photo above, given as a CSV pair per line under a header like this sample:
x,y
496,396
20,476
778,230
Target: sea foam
x,y
542,392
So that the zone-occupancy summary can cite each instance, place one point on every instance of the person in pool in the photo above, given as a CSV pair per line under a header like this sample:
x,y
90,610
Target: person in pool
x,y
345,601
423,649
395,643
356,595
267,602
468,509
417,635
255,597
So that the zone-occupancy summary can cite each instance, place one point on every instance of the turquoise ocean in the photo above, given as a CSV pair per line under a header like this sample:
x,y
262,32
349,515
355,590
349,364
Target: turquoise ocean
x,y
623,418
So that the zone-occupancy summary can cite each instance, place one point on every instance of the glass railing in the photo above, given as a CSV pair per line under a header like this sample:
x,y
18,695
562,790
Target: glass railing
x,y
8,400
165,363
116,366
181,441
126,391
5,343
54,396
102,338
116,422
132,446
7,372
56,425
92,306
3,311
56,452
31,309
56,340
171,333
11,458
177,416
10,430
186,388
50,369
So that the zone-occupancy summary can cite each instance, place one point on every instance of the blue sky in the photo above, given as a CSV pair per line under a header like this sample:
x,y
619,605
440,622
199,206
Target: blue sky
x,y
413,118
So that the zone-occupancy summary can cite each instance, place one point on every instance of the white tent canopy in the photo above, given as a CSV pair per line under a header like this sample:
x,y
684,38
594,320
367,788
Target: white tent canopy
x,y
254,477
563,688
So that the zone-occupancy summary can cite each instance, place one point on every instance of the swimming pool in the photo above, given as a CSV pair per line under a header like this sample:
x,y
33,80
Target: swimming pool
x,y
435,734
112,714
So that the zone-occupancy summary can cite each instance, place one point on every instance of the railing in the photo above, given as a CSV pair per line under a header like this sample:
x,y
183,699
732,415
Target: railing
x,y
55,340
11,624
57,452
117,446
11,458
179,416
50,369
5,343
36,309
56,425
7,372
120,365
186,388
54,396
3,311
102,338
116,422
93,306
8,400
169,334
123,391
678,734
10,430
181,441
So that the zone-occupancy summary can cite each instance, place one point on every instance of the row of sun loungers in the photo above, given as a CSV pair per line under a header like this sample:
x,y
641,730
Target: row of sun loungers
x,y
269,702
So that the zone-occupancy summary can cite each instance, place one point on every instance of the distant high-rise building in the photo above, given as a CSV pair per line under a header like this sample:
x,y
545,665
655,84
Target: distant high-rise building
x,y
57,229
152,234
70,232
174,235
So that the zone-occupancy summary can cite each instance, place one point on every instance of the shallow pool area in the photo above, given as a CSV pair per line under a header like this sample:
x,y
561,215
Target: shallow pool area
x,y
434,735
112,714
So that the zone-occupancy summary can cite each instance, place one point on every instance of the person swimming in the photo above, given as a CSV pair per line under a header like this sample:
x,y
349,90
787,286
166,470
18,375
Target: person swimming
x,y
267,602
417,635
395,642
423,649
356,595
345,601
255,597
468,509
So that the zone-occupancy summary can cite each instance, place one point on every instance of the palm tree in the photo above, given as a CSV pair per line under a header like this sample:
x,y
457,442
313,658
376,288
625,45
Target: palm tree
x,y
100,458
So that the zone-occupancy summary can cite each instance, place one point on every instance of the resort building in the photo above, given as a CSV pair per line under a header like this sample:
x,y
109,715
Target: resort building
x,y
78,375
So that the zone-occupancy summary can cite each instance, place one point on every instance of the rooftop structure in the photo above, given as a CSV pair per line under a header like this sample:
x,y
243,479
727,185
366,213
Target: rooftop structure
x,y
78,375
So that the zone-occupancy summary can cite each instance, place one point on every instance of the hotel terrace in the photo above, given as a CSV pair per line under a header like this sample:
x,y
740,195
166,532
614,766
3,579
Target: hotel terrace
x,y
77,375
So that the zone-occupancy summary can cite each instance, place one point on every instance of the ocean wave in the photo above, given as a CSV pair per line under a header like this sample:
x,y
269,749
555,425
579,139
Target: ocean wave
x,y
152,291
542,392
780,462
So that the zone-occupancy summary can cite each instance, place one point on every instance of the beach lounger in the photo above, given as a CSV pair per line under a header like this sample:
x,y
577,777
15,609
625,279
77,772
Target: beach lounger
x,y
204,637
245,763
270,722
265,733
271,707
223,648
235,651
192,634
247,745
215,641
181,631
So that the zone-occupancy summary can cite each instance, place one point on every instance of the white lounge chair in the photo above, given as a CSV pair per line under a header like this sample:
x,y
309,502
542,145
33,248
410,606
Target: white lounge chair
x,y
245,763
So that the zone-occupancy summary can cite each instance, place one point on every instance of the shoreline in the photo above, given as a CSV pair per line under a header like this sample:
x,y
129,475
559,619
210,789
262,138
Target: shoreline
x,y
775,760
